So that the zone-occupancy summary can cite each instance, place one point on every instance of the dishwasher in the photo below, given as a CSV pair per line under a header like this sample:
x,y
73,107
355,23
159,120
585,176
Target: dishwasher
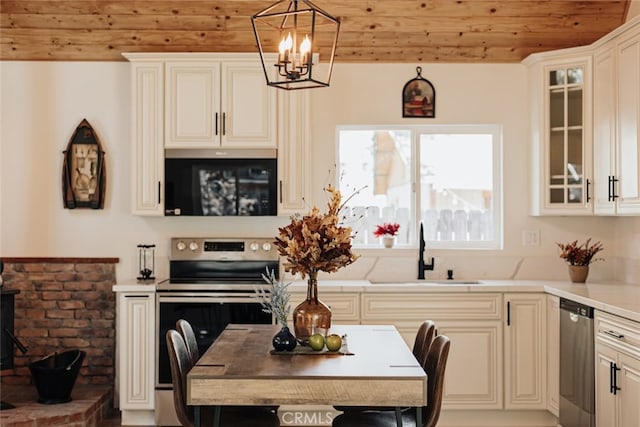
x,y
577,369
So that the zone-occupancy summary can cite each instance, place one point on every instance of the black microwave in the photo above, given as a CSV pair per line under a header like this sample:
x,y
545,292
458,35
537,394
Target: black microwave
x,y
220,182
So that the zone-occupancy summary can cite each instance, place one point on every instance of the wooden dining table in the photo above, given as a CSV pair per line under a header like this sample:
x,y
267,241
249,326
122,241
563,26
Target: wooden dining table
x,y
374,367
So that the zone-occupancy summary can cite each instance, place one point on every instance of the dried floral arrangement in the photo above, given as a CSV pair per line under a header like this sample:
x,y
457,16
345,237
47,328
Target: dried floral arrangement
x,y
317,241
386,229
580,254
277,301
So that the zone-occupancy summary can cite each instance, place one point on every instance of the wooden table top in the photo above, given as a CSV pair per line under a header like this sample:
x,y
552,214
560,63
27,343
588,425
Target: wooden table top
x,y
239,369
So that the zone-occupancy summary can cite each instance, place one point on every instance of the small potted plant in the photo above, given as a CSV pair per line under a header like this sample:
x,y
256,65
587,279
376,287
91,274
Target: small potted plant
x,y
388,232
276,303
579,256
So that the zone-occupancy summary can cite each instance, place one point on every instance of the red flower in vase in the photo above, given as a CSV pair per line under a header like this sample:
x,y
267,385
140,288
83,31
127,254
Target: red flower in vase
x,y
387,229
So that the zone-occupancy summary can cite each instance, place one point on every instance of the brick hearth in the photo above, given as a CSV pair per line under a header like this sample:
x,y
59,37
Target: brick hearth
x,y
89,405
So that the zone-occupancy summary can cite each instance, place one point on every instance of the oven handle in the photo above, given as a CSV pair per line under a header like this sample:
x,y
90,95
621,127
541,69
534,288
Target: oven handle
x,y
195,298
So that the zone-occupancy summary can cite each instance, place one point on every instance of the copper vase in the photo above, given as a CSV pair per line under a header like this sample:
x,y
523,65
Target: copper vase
x,y
312,315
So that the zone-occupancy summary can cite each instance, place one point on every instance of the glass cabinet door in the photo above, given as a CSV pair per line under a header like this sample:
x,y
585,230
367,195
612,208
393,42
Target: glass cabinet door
x,y
566,157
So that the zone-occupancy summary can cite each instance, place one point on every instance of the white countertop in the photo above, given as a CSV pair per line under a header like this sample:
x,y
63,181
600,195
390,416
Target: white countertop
x,y
615,298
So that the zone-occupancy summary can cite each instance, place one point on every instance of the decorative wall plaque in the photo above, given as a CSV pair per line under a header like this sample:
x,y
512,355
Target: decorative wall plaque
x,y
418,97
83,172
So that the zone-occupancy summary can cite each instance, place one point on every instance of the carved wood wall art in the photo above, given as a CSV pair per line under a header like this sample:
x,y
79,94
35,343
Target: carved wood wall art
x,y
84,175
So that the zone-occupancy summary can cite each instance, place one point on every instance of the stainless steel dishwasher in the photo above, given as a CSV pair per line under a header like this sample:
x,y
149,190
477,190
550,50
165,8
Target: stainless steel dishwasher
x,y
577,370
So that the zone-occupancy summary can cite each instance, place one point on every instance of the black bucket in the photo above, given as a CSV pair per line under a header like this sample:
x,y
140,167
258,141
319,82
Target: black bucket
x,y
55,375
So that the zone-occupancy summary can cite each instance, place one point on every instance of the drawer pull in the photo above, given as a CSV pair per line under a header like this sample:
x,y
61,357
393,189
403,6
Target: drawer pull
x,y
614,334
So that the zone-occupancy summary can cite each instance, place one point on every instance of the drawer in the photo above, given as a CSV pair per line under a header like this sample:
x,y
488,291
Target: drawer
x,y
621,333
345,307
386,307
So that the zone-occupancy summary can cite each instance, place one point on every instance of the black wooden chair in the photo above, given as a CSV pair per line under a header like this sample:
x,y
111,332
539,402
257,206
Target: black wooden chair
x,y
237,416
435,365
421,345
189,337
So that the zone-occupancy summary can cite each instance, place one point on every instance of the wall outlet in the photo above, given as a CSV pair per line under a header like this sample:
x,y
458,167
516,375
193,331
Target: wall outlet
x,y
531,238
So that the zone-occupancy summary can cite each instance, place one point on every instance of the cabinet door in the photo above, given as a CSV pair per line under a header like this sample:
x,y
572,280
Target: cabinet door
x,y
553,354
629,125
147,89
136,349
248,107
568,143
192,117
605,400
525,351
293,152
629,394
472,382
604,130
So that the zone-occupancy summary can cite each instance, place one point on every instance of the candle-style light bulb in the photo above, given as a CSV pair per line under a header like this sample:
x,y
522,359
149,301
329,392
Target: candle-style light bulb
x,y
305,48
285,48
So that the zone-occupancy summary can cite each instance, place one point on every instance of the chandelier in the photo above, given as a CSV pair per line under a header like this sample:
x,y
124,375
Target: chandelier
x,y
302,33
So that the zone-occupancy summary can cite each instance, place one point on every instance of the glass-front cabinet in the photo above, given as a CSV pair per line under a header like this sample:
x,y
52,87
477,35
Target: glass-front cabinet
x,y
566,155
562,143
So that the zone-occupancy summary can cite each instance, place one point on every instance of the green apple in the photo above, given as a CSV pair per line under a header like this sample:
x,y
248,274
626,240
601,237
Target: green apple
x,y
334,342
316,342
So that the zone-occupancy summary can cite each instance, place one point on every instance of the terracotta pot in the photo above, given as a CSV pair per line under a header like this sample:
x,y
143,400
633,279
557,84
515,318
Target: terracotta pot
x,y
578,273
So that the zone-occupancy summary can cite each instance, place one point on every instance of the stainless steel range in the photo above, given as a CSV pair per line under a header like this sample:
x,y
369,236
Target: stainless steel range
x,y
211,283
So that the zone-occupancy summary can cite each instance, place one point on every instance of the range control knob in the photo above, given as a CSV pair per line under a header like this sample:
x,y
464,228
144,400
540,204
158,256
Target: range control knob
x,y
193,246
266,246
254,246
181,246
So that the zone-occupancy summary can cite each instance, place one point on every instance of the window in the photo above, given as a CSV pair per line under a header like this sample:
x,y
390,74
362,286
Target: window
x,y
447,176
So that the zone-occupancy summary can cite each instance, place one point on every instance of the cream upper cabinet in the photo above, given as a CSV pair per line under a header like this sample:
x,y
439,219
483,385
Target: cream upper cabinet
x,y
560,96
628,123
218,103
294,151
193,100
616,94
525,351
617,371
604,130
147,160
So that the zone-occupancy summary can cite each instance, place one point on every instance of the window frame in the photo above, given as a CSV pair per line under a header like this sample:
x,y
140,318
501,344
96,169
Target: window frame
x,y
497,243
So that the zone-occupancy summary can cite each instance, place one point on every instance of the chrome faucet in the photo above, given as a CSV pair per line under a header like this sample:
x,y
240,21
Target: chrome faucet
x,y
422,266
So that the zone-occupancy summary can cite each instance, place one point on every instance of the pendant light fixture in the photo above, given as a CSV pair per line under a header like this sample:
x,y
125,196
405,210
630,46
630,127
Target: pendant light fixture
x,y
301,34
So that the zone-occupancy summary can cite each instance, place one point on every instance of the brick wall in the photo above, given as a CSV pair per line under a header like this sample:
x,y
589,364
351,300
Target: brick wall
x,y
64,304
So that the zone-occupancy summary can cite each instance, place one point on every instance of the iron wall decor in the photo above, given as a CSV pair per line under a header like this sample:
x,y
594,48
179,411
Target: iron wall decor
x,y
418,97
84,176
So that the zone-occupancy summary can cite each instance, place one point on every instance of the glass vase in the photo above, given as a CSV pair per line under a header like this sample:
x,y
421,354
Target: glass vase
x,y
312,315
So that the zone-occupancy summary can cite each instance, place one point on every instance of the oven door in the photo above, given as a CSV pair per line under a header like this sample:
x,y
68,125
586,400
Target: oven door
x,y
208,314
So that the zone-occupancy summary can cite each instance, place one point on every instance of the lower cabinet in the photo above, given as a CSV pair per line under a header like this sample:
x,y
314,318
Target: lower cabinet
x,y
553,354
498,356
617,362
135,342
525,347
474,375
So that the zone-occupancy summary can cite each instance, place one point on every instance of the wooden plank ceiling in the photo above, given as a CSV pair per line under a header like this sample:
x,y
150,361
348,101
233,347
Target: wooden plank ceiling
x,y
411,31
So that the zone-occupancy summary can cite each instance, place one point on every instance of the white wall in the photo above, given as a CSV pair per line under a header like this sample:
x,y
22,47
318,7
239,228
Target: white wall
x,y
43,102
465,93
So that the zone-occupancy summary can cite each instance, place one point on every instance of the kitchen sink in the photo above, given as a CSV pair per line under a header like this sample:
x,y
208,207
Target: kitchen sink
x,y
450,282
